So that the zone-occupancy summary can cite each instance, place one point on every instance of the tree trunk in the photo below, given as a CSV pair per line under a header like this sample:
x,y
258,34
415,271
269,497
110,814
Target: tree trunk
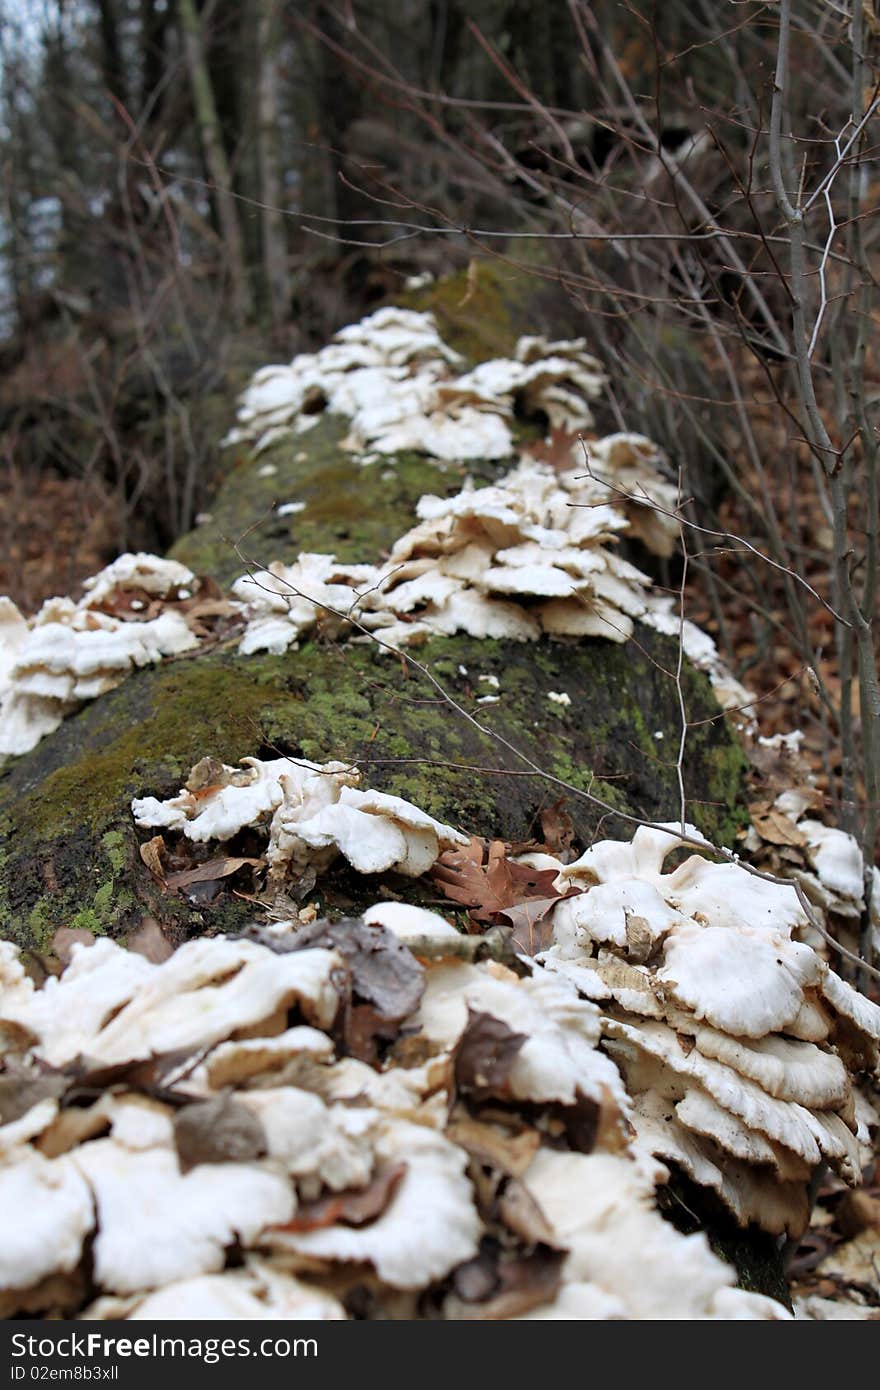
x,y
112,64
215,159
268,143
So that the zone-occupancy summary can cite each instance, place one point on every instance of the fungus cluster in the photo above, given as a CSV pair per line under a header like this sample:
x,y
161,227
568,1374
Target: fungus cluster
x,y
535,553
312,813
532,554
156,1117
737,1042
402,387
71,652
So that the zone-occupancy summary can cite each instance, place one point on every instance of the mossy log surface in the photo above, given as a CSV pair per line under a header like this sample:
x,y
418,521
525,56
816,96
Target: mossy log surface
x,y
68,844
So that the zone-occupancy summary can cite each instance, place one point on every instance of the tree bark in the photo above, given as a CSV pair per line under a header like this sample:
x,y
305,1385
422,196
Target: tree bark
x,y
274,238
215,159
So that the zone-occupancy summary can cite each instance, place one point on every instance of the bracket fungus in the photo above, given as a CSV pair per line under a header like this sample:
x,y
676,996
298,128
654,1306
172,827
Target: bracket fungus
x,y
401,387
72,652
533,553
731,1033
206,1104
313,812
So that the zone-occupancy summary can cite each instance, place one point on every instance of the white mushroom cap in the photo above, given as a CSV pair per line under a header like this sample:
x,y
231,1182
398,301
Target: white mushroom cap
x,y
791,1125
746,981
210,989
247,798
140,571
156,1225
600,1206
13,633
558,1059
837,859
376,832
751,1194
48,1214
408,921
610,911
115,1006
67,1014
783,1067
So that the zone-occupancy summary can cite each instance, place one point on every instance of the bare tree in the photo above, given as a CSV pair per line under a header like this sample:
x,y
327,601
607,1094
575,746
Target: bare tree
x,y
216,161
274,239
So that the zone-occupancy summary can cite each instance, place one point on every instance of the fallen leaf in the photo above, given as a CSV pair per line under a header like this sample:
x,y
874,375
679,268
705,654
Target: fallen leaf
x,y
486,1051
493,1145
506,1287
151,852
521,1214
66,938
21,1090
777,828
210,872
476,1280
858,1211
557,827
150,941
355,1207
532,923
557,449
386,982
488,889
220,1130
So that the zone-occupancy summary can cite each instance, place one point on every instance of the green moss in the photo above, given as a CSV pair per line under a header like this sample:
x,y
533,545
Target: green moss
x,y
41,926
353,512
87,920
483,311
103,899
65,821
479,312
114,847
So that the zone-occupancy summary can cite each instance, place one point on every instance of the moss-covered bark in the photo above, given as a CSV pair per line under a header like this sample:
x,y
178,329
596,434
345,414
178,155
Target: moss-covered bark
x,y
66,831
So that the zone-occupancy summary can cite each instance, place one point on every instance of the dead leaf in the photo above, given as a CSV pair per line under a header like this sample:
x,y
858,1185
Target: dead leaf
x,y
777,828
521,1214
521,1282
384,971
486,1051
21,1090
210,872
151,852
488,889
386,982
557,827
557,449
492,1145
532,923
639,937
355,1207
207,775
66,938
858,1211
150,941
220,1130
476,1280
